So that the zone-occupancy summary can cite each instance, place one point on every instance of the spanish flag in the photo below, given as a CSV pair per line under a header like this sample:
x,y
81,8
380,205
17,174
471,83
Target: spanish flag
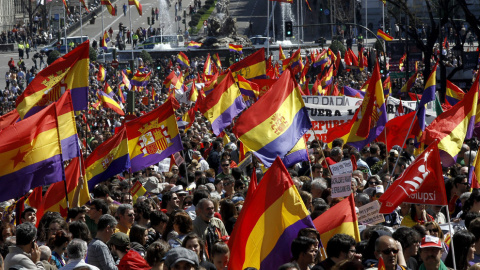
x,y
137,190
340,218
109,102
68,72
383,35
269,222
110,7
67,127
217,60
153,136
207,67
281,55
409,84
31,154
275,123
223,104
108,159
137,4
172,79
108,90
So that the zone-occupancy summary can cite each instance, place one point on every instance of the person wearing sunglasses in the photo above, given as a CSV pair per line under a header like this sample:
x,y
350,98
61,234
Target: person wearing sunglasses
x,y
391,253
126,218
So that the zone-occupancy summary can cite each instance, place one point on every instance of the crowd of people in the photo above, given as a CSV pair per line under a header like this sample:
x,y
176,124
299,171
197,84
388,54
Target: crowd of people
x,y
192,207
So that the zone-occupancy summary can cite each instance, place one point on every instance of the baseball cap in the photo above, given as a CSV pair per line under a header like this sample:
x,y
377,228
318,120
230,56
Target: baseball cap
x,y
431,241
180,254
119,239
379,189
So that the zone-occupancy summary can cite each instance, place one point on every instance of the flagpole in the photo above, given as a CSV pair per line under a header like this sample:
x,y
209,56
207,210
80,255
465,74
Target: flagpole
x,y
131,29
81,20
268,28
103,31
298,29
451,238
65,28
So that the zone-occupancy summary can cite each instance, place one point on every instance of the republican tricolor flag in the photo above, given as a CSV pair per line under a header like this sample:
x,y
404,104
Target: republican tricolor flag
x,y
235,48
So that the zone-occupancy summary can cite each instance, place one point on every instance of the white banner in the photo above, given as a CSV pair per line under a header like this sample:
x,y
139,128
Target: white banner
x,y
342,167
341,185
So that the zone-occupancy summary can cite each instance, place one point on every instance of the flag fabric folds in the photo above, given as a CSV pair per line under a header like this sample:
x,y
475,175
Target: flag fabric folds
x,y
141,79
67,127
173,80
153,136
84,6
395,130
207,67
409,84
251,67
247,88
426,170
108,90
275,123
428,95
102,73
383,35
109,102
269,222
110,7
68,72
108,159
223,104
350,92
298,153
217,60
194,45
453,94
235,48
126,81
31,154
137,4
453,126
183,59
9,118
340,218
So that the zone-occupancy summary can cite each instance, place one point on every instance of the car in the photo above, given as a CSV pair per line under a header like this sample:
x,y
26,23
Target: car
x,y
260,41
108,54
60,46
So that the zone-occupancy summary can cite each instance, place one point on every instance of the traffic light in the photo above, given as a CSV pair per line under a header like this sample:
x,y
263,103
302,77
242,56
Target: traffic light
x,y
148,20
153,20
183,21
288,29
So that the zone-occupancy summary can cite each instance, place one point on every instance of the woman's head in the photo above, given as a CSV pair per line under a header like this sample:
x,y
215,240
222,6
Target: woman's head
x,y
6,230
60,240
432,228
464,245
195,243
220,255
182,223
156,252
138,234
80,230
227,209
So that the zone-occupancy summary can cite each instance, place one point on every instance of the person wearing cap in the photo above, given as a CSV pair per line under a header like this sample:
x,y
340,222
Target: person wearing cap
x,y
181,258
98,253
431,253
119,244
77,251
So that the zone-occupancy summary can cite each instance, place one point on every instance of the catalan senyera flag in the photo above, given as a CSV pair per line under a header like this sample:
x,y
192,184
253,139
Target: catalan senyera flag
x,y
183,59
67,127
153,136
235,48
247,88
110,7
137,4
453,94
194,45
273,125
102,73
109,102
207,67
223,104
281,55
298,153
383,35
137,190
9,118
54,199
340,218
452,127
273,216
108,159
252,66
67,72
409,84
428,95
31,154
141,79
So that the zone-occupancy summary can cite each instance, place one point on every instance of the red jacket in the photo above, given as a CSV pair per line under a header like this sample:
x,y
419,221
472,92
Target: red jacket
x,y
133,261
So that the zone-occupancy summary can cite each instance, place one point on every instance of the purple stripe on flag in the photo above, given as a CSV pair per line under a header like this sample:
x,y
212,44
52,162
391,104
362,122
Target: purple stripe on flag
x,y
349,91
140,162
451,100
247,92
139,83
117,166
374,132
80,98
471,125
42,173
295,157
446,159
225,119
70,148
285,142
282,253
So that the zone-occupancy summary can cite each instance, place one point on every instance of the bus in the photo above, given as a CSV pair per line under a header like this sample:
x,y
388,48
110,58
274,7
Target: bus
x,y
175,41
60,46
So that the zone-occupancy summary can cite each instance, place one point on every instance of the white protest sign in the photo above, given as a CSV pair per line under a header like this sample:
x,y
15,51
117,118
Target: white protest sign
x,y
342,167
368,214
164,165
341,185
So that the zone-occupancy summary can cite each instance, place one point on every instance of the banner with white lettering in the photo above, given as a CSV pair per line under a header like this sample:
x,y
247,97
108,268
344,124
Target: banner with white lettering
x,y
368,214
408,106
341,185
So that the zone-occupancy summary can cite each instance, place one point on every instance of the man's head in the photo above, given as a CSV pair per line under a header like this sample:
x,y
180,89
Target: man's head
x,y
229,184
225,166
106,224
318,186
336,154
119,243
386,247
158,221
304,250
461,183
29,215
205,209
142,211
431,251
409,239
97,208
170,201
410,145
181,258
26,234
317,170
77,249
76,213
341,246
126,215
